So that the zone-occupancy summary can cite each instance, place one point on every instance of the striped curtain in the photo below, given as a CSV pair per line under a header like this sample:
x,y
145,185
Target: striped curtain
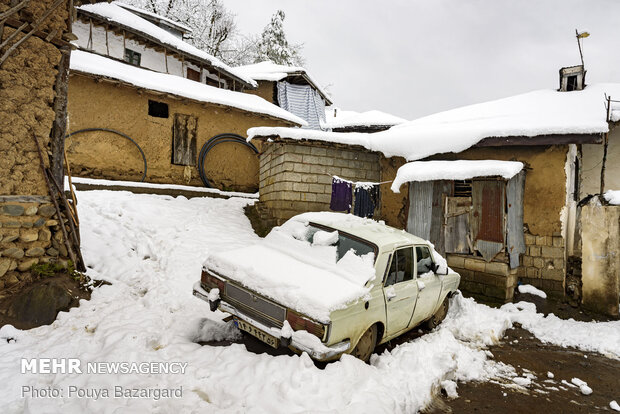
x,y
303,101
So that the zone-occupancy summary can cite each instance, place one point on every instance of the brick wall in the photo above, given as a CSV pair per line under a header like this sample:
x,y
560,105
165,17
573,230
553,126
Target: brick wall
x,y
492,281
543,263
296,177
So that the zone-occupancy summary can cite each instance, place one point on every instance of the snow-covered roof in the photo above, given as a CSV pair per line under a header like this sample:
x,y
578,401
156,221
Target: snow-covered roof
x,y
542,112
179,26
454,170
98,65
114,13
336,118
269,71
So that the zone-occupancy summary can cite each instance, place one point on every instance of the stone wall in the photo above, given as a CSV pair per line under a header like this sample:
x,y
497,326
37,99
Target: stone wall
x,y
29,234
490,281
296,176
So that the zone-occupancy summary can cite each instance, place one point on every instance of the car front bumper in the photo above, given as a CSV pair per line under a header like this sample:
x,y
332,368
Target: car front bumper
x,y
322,353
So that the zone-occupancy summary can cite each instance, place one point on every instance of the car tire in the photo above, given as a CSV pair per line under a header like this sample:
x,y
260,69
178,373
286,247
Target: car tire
x,y
440,315
366,344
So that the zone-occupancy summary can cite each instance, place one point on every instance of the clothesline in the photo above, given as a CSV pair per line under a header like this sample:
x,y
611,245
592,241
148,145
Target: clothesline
x,y
367,183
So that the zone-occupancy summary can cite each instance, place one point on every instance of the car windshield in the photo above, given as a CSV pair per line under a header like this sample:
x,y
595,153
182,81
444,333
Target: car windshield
x,y
343,243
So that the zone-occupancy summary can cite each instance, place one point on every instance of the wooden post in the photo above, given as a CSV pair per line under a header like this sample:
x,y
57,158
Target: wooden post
x,y
107,43
59,129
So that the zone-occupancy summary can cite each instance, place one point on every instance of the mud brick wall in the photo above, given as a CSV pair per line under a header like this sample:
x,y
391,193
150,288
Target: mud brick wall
x,y
296,177
543,264
29,234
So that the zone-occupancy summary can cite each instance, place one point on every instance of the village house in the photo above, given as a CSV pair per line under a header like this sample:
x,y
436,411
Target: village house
x,y
291,88
497,190
37,225
146,106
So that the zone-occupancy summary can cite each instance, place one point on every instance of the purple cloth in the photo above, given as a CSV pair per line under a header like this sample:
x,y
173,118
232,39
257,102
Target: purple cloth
x,y
342,195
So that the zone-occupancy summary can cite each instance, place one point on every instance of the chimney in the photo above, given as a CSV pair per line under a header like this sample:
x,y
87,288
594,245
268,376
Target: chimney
x,y
572,78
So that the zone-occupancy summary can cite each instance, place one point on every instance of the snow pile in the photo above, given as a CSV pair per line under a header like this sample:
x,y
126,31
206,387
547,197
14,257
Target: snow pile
x,y
454,170
270,71
614,405
116,14
541,112
612,197
101,66
532,291
583,386
348,119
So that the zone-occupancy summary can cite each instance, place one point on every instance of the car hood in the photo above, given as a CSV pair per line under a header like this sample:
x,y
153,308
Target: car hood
x,y
292,278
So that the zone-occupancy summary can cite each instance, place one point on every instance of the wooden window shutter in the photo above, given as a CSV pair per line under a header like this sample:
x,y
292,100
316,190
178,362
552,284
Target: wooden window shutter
x,y
488,210
184,140
193,75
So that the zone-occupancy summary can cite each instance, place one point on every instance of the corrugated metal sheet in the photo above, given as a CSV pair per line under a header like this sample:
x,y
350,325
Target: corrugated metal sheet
x,y
514,223
456,227
420,208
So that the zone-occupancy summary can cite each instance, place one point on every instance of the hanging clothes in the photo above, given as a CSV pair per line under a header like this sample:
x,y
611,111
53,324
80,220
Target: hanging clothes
x,y
342,196
365,200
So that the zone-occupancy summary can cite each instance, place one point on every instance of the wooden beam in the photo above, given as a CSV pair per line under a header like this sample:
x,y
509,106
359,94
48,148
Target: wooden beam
x,y
551,139
57,136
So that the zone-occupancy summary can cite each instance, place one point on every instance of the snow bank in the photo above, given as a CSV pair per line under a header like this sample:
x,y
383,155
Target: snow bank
x,y
541,112
532,291
612,197
454,170
111,183
101,66
117,14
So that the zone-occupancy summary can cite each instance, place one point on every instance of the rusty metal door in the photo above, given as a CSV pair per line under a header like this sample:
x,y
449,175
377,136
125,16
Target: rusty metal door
x,y
487,219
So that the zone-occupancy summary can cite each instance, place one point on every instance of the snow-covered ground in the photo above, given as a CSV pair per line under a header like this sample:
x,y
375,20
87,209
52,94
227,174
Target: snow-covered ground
x,y
151,249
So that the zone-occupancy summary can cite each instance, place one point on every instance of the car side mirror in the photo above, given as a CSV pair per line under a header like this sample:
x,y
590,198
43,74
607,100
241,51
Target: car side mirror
x,y
436,269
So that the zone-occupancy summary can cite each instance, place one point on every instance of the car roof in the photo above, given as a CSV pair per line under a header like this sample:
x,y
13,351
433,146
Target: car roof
x,y
377,232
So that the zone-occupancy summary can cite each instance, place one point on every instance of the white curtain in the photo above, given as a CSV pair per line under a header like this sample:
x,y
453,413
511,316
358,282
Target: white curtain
x,y
303,101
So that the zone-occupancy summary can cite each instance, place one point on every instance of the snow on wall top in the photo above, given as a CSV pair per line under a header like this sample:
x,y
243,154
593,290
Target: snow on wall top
x,y
117,14
612,197
345,119
454,170
541,112
101,66
269,71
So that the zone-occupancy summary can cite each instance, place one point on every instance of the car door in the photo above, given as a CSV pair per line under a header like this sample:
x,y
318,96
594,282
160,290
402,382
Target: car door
x,y
429,285
400,290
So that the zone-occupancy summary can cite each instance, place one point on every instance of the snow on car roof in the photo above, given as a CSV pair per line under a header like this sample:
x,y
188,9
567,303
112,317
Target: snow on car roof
x,y
542,112
98,65
454,170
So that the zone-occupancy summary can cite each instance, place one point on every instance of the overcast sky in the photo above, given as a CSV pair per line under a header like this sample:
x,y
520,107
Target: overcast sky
x,y
413,58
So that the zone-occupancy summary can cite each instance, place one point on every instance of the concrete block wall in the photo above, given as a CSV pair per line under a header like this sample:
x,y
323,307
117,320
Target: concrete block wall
x,y
29,234
296,177
492,281
544,265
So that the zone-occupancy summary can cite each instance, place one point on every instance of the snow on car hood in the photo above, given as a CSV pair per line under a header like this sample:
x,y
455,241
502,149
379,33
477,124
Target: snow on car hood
x,y
296,273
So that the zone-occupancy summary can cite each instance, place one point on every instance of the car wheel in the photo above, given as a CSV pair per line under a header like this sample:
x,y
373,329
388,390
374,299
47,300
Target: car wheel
x,y
440,315
366,345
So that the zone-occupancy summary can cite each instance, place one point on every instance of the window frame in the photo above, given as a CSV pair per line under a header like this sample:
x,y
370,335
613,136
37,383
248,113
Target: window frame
x,y
130,55
391,259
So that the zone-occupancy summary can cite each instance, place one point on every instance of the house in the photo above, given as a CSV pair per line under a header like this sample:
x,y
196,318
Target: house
x,y
34,62
337,120
145,105
495,186
291,88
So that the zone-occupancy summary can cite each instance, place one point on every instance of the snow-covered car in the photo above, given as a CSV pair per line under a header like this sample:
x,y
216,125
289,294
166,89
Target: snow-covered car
x,y
330,283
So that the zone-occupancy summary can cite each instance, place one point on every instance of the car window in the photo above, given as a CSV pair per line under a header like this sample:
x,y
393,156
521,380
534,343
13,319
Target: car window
x,y
344,243
424,259
401,268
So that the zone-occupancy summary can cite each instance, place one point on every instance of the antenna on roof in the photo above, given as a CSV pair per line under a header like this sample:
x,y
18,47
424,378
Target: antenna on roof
x,y
580,36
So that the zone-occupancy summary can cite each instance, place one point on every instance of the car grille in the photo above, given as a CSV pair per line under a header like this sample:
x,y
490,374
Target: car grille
x,y
255,306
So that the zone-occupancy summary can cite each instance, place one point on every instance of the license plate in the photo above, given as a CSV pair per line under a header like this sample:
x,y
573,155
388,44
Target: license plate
x,y
258,333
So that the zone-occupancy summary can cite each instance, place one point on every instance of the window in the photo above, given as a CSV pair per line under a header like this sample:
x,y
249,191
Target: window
x,y
424,259
184,140
571,83
193,75
211,82
462,188
158,109
401,269
344,244
132,57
